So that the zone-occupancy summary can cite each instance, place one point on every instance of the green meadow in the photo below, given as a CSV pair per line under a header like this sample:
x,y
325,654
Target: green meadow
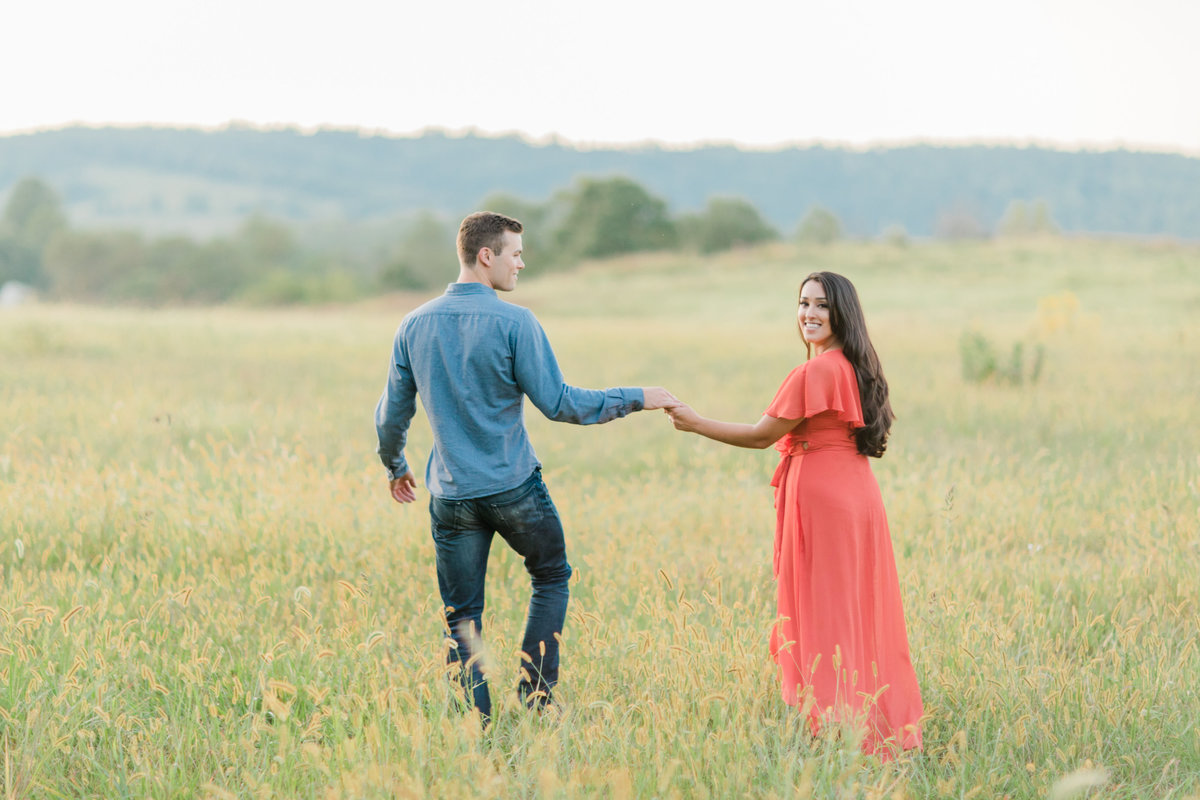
x,y
206,591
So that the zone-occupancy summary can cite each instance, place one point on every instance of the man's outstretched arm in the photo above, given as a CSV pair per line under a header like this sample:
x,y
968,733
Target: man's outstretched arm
x,y
540,378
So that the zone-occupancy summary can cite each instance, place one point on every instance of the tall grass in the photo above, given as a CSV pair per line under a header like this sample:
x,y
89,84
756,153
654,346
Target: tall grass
x,y
206,591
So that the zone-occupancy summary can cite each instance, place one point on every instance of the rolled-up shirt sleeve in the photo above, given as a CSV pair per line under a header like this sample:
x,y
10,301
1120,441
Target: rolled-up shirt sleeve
x,y
538,375
395,411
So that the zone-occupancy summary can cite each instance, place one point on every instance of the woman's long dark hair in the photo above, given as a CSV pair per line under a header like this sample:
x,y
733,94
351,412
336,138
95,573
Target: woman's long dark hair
x,y
850,327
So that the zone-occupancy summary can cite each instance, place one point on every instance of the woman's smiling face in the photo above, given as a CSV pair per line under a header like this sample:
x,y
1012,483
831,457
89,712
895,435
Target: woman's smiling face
x,y
813,316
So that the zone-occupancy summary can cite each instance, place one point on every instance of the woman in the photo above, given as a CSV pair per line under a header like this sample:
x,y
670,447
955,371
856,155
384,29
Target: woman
x,y
840,639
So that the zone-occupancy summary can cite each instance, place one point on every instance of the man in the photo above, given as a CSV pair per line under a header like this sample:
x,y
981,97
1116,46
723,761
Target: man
x,y
473,358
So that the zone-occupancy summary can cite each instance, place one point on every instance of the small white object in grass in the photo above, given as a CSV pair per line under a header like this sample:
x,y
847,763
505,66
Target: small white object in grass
x,y
1079,781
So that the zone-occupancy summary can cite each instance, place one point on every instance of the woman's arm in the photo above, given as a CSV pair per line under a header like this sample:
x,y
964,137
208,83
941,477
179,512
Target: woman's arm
x,y
763,433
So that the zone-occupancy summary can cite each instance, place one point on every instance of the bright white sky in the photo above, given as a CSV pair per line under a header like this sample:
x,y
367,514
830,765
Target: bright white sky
x,y
1095,73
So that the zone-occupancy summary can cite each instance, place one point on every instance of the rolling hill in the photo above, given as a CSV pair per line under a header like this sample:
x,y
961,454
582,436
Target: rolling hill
x,y
205,181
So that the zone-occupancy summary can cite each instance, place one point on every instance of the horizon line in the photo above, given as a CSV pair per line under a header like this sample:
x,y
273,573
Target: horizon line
x,y
556,139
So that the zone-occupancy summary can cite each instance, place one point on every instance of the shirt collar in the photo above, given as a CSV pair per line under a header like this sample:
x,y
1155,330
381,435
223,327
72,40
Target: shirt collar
x,y
469,288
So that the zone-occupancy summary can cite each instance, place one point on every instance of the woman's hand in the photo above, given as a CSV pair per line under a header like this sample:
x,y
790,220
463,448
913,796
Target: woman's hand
x,y
684,417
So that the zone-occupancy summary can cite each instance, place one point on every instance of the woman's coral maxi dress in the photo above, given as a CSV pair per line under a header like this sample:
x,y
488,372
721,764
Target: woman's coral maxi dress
x,y
840,639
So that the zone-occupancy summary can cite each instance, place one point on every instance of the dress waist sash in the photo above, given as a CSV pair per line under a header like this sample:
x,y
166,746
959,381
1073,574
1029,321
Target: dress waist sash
x,y
790,455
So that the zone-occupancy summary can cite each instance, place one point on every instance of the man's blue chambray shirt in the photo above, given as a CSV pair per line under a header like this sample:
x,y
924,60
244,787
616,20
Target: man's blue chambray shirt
x,y
473,358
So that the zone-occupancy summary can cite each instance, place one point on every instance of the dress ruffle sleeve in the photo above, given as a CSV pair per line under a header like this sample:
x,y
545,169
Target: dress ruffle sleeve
x,y
825,383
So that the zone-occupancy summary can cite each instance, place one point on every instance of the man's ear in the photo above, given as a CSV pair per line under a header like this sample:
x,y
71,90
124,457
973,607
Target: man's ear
x,y
485,256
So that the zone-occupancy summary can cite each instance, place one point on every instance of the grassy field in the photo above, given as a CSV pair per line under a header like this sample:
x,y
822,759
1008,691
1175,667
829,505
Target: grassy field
x,y
205,590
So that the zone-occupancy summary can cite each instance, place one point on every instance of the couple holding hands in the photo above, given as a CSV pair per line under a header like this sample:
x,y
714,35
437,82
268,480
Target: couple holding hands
x,y
839,640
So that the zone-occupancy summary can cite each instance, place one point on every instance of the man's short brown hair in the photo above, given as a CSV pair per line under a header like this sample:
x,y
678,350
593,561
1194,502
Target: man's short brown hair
x,y
483,229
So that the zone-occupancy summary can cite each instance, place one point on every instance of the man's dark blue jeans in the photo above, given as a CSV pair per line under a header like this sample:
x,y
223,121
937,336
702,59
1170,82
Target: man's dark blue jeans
x,y
462,533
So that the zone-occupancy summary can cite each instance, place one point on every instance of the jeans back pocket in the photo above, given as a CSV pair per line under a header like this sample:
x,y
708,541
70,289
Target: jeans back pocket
x,y
444,514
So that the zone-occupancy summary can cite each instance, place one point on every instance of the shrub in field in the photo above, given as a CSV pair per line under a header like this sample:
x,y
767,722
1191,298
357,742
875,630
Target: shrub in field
x,y
980,361
978,357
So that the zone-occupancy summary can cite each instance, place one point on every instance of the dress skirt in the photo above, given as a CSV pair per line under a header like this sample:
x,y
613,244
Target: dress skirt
x,y
840,639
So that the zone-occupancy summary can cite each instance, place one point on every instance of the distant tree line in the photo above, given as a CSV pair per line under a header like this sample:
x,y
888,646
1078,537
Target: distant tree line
x,y
260,262
266,261
205,182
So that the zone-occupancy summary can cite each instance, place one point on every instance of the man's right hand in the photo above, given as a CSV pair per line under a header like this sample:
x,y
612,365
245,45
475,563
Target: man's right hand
x,y
657,397
404,488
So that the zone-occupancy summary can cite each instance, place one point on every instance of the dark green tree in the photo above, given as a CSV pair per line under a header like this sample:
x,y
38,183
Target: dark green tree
x,y
33,214
725,223
611,216
20,263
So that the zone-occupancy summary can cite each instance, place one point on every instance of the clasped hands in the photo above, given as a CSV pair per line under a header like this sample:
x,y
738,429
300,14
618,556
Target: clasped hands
x,y
681,414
